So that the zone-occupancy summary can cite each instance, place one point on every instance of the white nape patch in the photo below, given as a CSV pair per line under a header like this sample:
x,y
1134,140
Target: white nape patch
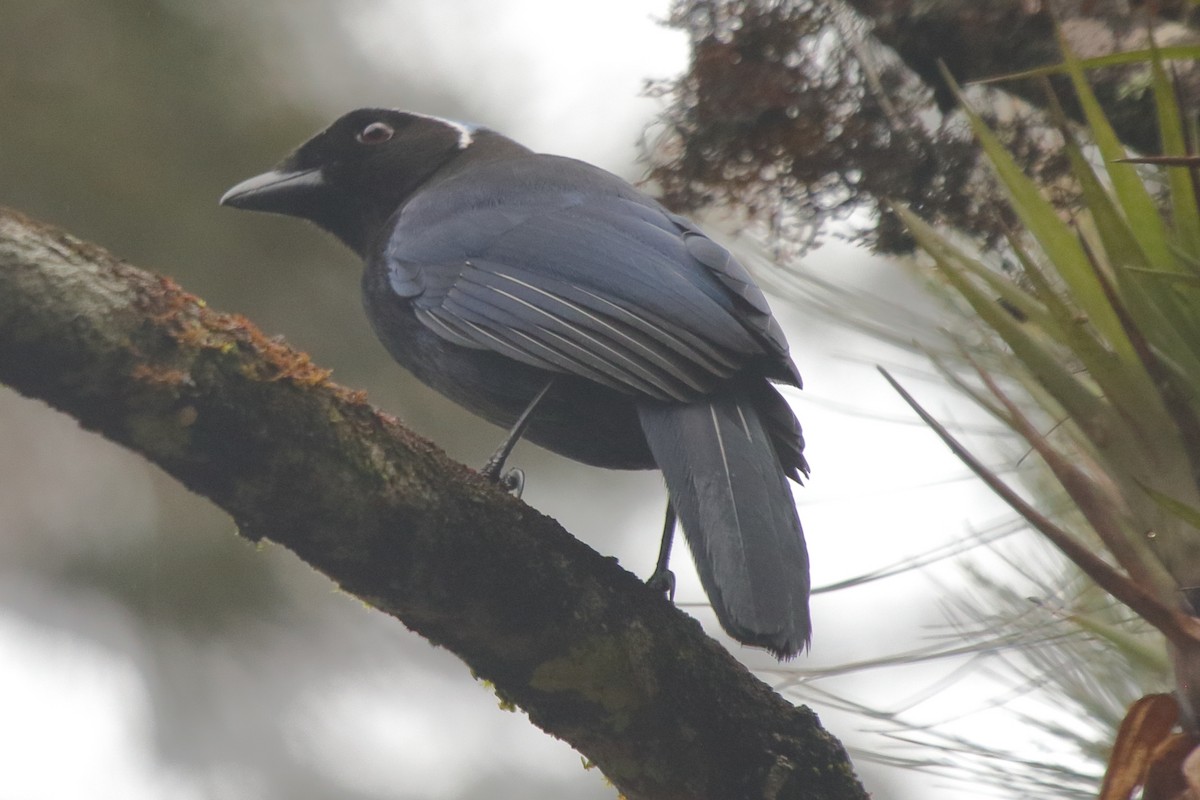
x,y
466,131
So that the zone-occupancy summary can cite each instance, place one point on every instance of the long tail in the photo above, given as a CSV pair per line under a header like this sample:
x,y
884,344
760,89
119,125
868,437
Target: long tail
x,y
728,486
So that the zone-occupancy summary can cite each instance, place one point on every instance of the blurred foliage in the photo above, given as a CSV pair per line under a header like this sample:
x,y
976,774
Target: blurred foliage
x,y
115,114
1077,328
124,121
1086,344
803,112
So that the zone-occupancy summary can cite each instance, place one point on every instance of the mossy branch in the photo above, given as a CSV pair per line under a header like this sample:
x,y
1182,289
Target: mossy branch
x,y
584,648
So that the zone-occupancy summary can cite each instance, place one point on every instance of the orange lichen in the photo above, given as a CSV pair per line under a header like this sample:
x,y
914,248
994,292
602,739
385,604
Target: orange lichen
x,y
195,326
159,376
286,362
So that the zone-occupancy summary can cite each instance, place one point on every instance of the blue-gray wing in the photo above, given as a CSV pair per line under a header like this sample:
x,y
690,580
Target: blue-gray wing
x,y
565,267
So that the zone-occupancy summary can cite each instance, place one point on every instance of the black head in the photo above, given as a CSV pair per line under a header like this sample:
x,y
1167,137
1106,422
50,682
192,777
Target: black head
x,y
351,177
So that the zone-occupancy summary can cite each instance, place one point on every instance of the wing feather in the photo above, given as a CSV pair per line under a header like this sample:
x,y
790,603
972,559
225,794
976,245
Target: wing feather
x,y
580,274
576,339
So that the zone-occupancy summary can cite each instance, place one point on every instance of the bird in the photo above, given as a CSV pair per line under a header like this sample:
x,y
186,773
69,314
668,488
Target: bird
x,y
552,297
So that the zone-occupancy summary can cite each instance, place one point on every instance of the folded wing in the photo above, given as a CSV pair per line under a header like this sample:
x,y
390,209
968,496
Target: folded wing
x,y
596,281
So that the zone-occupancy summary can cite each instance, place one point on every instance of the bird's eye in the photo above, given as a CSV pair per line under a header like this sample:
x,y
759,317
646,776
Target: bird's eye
x,y
376,133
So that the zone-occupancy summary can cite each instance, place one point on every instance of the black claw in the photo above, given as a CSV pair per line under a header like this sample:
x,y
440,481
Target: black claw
x,y
491,470
664,581
513,481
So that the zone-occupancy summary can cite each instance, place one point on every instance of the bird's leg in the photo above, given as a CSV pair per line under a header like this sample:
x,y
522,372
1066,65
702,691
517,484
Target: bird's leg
x,y
514,479
663,579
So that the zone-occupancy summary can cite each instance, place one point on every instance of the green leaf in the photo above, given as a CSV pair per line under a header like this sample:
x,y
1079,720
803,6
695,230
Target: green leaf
x,y
1187,513
1185,212
1139,208
1079,401
1153,306
1125,387
1176,52
1056,238
1177,278
1149,656
1027,304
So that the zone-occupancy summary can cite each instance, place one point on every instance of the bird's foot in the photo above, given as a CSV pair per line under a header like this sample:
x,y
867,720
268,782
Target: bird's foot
x,y
664,581
491,470
513,481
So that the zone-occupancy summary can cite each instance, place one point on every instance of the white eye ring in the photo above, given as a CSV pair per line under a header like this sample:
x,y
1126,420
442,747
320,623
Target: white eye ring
x,y
376,133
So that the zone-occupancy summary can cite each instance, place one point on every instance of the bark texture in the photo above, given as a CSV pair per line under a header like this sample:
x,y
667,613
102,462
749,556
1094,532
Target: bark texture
x,y
591,654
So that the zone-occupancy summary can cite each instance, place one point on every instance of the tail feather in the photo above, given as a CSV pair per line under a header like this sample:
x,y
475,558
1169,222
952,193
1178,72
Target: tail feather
x,y
783,428
728,485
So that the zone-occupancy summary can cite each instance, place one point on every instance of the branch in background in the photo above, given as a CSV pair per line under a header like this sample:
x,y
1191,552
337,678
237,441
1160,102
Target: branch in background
x,y
590,653
977,41
800,111
1181,629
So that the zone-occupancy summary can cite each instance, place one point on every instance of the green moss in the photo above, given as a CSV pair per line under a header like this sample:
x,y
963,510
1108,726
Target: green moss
x,y
163,435
600,670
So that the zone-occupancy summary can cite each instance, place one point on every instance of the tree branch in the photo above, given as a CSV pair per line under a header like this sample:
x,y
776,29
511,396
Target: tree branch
x,y
799,112
988,38
590,653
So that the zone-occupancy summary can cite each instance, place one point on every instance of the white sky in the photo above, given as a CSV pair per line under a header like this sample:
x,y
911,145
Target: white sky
x,y
556,74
